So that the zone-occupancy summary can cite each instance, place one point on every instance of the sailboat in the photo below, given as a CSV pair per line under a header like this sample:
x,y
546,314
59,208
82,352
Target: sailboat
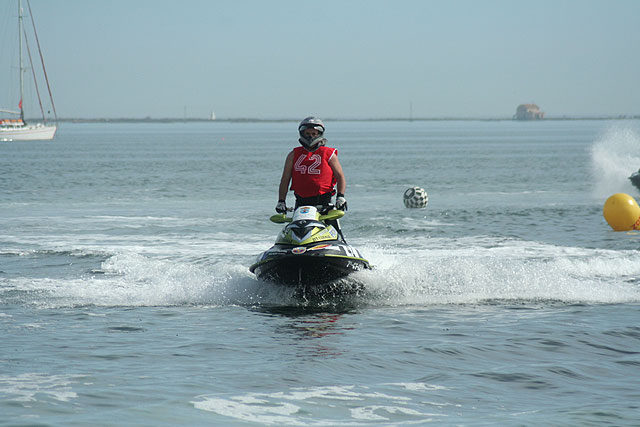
x,y
17,129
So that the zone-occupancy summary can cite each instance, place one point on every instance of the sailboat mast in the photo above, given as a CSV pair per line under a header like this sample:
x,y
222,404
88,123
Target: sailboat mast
x,y
21,60
44,69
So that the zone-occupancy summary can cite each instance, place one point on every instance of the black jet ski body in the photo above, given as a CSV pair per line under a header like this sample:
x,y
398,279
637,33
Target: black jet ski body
x,y
309,252
635,179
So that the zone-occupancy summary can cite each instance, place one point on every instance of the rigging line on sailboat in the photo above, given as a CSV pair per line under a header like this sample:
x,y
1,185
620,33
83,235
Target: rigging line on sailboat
x,y
33,73
44,69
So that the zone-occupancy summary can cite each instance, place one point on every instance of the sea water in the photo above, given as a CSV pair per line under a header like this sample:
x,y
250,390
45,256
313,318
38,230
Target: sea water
x,y
126,299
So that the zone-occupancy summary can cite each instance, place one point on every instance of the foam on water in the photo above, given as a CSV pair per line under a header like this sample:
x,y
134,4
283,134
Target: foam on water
x,y
614,157
33,387
510,270
450,271
130,279
308,406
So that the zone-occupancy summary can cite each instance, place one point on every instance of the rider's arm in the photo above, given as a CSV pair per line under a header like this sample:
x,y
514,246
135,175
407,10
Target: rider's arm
x,y
286,177
337,172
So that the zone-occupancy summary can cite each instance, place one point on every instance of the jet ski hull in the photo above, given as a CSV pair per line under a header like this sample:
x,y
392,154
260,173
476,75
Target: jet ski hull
x,y
308,266
635,179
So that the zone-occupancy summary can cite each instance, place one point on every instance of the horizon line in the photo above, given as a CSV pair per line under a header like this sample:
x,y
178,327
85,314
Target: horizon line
x,y
353,119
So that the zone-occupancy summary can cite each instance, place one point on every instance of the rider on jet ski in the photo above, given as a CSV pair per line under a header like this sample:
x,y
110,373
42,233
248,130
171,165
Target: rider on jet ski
x,y
313,170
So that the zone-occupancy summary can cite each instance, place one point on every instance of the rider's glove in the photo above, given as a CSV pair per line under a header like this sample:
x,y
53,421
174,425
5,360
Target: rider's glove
x,y
281,207
341,202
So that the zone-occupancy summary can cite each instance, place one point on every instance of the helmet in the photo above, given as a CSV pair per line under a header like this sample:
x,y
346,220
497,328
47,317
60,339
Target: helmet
x,y
311,123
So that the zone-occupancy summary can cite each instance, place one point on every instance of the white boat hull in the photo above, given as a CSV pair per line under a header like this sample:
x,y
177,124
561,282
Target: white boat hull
x,y
28,133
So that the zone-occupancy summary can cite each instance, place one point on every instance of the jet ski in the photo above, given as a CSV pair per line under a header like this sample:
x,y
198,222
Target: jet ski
x,y
310,252
635,179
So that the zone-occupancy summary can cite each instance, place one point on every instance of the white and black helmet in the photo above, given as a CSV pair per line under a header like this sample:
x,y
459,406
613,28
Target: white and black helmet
x,y
311,123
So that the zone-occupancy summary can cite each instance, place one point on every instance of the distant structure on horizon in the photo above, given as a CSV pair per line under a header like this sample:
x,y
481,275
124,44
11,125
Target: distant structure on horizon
x,y
528,112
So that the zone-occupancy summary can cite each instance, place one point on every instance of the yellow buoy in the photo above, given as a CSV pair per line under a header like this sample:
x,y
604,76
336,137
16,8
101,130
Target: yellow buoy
x,y
622,212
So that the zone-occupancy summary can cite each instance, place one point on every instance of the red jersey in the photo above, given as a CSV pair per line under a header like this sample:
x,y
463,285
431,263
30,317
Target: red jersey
x,y
311,174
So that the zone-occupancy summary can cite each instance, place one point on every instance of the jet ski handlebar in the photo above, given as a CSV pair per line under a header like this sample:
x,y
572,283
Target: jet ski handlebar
x,y
330,215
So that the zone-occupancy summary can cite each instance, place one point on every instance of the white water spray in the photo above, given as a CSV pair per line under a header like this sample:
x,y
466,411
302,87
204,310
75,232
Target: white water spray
x,y
614,157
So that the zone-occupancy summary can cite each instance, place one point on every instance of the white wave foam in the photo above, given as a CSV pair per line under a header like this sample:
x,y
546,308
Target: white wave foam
x,y
510,270
470,270
251,409
32,387
418,386
308,406
378,412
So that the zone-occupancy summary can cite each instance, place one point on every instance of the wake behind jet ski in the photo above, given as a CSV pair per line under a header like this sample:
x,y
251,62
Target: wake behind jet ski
x,y
309,253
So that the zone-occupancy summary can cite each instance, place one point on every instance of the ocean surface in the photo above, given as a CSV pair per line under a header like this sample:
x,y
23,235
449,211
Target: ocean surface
x,y
126,299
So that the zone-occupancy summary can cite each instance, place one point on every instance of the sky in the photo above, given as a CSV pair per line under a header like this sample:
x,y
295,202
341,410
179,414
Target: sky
x,y
339,59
